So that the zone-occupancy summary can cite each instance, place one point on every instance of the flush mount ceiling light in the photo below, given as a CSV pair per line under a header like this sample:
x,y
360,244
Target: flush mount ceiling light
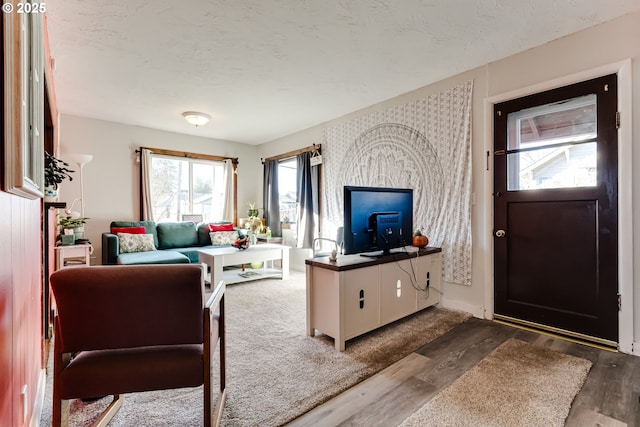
x,y
196,118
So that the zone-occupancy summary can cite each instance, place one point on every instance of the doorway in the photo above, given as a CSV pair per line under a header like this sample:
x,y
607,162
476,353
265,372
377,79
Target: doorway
x,y
556,210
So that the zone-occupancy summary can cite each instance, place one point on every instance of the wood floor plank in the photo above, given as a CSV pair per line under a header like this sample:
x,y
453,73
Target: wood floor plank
x,y
366,394
393,407
462,348
620,385
609,397
634,403
585,417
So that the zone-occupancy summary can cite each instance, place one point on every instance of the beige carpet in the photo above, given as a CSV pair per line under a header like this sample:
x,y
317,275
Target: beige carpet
x,y
275,372
516,385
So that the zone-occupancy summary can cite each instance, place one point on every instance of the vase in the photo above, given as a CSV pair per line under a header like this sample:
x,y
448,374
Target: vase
x,y
50,194
78,232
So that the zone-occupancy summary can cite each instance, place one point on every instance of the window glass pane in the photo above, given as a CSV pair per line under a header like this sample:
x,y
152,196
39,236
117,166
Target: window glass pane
x,y
208,190
164,187
553,145
573,120
186,186
560,167
287,191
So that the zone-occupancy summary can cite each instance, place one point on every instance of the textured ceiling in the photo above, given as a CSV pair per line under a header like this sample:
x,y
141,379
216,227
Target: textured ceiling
x,y
267,68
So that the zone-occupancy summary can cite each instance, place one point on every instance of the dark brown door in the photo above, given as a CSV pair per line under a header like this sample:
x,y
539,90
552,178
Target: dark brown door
x,y
556,208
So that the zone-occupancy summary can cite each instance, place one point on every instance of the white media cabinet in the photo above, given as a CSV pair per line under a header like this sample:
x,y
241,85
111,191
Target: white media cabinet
x,y
356,294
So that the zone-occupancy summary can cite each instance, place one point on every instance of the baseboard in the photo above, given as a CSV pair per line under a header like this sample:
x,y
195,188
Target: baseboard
x,y
635,348
39,402
475,311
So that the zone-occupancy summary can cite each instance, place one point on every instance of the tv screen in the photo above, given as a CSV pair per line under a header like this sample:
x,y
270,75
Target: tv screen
x,y
377,219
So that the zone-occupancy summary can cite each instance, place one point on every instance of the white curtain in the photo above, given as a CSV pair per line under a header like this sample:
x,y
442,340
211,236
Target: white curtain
x,y
145,177
227,209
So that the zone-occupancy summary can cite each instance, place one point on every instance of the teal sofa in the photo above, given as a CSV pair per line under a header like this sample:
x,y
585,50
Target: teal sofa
x,y
175,243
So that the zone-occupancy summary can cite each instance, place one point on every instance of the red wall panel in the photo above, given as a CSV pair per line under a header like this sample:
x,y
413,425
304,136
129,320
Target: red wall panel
x,y
20,307
6,314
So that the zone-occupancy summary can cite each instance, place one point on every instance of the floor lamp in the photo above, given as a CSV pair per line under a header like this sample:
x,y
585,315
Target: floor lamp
x,y
81,160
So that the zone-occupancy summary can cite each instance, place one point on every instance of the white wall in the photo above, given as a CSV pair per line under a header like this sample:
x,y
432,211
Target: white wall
x,y
112,178
576,54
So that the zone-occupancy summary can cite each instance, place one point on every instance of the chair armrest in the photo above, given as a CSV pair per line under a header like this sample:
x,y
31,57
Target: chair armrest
x,y
110,249
213,415
216,296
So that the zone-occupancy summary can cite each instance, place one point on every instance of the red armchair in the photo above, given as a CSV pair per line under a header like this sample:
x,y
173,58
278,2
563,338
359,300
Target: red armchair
x,y
126,329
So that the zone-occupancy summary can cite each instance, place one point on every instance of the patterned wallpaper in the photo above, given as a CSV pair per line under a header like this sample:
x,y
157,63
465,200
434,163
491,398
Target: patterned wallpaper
x,y
424,145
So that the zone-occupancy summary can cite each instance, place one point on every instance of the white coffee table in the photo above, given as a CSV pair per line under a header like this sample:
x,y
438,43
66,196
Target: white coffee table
x,y
216,258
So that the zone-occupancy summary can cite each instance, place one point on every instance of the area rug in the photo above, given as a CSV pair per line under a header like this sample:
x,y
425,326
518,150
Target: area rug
x,y
517,384
274,371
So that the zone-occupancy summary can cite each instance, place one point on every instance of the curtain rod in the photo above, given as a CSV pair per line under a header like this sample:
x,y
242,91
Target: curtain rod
x,y
175,153
315,148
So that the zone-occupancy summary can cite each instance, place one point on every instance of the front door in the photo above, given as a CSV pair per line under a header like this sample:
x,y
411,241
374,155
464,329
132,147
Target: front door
x,y
556,210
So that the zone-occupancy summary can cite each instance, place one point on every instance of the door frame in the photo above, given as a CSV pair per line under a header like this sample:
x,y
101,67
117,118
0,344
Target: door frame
x,y
625,187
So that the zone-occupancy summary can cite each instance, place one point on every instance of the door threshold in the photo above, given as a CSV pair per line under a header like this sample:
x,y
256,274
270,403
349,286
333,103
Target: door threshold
x,y
557,333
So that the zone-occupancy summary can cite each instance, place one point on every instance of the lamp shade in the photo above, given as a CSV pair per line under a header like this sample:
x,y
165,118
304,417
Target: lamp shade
x,y
80,159
196,118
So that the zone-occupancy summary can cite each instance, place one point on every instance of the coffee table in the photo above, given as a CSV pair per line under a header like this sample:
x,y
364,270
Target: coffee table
x,y
216,258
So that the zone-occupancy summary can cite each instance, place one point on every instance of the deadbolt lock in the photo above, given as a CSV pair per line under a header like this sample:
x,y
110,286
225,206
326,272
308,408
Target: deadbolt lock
x,y
500,233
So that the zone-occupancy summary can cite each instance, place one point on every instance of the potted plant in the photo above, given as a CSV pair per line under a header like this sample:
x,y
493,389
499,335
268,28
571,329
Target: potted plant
x,y
55,171
253,212
75,224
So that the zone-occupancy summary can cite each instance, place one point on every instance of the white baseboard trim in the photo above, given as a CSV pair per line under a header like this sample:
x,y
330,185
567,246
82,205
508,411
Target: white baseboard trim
x,y
474,310
39,401
635,348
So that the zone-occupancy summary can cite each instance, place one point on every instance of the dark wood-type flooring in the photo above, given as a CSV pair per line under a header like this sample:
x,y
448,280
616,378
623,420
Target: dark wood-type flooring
x,y
609,397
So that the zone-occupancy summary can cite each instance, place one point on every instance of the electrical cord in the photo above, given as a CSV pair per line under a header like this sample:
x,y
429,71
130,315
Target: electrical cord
x,y
413,277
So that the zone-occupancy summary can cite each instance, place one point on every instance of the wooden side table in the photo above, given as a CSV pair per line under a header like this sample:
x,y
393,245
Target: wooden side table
x,y
73,256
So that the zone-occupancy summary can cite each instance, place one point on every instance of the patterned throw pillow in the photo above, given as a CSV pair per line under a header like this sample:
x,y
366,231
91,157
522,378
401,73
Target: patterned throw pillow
x,y
219,238
135,243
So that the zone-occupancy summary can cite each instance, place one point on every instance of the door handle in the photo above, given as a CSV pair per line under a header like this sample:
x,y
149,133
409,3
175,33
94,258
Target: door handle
x,y
501,233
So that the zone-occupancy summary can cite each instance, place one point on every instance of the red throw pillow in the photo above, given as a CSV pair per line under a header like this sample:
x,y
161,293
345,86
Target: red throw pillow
x,y
220,227
129,230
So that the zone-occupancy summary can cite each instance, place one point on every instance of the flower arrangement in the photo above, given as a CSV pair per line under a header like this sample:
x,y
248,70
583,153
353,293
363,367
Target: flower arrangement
x,y
241,243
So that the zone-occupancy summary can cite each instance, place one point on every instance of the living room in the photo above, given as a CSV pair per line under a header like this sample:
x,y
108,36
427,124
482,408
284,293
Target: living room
x,y
111,183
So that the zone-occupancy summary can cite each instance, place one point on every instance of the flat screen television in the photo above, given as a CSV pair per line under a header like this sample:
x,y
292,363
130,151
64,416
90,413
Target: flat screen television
x,y
377,219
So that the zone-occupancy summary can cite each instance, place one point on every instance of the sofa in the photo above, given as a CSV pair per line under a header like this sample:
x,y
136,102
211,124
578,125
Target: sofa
x,y
148,242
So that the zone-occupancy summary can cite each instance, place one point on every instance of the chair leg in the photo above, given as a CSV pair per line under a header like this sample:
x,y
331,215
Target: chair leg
x,y
109,413
60,416
217,413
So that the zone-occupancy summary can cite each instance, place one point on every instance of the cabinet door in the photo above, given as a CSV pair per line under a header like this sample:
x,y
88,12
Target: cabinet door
x,y
360,301
429,280
397,292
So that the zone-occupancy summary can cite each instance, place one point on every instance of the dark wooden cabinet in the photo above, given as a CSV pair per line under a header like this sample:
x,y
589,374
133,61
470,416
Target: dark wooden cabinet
x,y
49,260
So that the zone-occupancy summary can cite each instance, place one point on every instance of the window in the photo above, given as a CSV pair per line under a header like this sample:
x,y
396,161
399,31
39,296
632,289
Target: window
x,y
553,145
182,185
287,190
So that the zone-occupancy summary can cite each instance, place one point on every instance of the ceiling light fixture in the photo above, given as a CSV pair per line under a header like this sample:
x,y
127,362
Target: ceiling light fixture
x,y
196,118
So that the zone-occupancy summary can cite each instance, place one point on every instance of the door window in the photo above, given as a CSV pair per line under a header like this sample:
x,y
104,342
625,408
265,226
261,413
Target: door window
x,y
553,145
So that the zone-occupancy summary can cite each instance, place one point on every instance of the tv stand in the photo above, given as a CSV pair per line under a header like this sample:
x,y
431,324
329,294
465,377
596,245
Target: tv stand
x,y
357,294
